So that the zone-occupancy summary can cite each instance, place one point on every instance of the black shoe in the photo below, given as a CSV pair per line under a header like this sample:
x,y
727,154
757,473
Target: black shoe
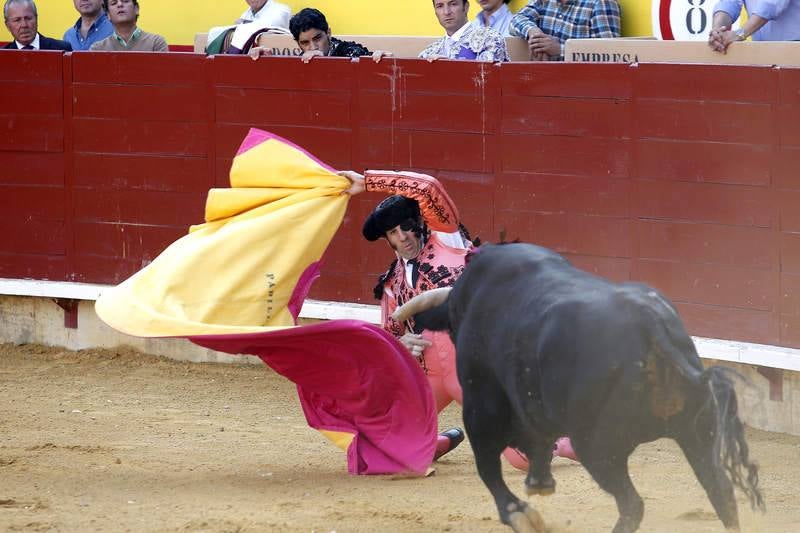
x,y
452,438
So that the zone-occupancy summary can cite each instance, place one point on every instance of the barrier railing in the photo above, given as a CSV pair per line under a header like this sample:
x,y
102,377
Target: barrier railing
x,y
683,176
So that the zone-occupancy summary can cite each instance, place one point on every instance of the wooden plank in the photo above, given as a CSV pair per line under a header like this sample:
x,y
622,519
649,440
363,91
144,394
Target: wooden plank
x,y
150,102
564,194
789,124
140,68
790,253
574,156
608,118
135,136
789,86
32,168
143,172
566,81
31,134
150,208
703,120
24,202
451,151
27,98
719,83
124,241
288,74
32,236
31,266
405,76
725,286
746,325
746,247
465,112
570,233
291,108
786,175
614,268
707,162
700,202
31,68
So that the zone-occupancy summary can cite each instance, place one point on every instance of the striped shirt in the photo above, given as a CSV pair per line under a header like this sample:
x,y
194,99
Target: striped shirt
x,y
569,19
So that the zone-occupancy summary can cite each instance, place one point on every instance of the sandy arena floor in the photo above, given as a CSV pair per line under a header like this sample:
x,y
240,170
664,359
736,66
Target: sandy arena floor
x,y
118,441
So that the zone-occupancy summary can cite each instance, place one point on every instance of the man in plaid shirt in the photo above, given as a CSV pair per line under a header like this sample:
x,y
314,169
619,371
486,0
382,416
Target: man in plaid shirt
x,y
547,24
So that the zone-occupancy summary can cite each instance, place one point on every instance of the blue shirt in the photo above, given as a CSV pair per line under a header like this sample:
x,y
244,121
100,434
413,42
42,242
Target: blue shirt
x,y
499,21
783,17
100,29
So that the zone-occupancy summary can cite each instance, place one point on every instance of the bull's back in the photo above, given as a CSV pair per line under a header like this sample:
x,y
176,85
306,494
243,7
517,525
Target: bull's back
x,y
583,344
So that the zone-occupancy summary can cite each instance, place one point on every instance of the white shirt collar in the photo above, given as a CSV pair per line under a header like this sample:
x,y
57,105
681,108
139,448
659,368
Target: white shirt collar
x,y
35,43
457,35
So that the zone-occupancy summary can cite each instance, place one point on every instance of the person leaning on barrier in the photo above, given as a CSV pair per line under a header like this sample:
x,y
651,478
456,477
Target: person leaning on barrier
x,y
496,15
312,33
463,40
92,26
768,20
547,24
22,21
127,36
270,12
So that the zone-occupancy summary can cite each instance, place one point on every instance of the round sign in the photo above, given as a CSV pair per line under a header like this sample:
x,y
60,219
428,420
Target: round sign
x,y
682,20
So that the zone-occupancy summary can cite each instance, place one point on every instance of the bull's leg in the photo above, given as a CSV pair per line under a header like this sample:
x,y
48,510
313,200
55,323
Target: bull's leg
x,y
539,450
488,426
608,465
697,445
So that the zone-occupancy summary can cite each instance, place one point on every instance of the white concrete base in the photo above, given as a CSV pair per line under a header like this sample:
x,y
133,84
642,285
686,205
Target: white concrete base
x,y
39,320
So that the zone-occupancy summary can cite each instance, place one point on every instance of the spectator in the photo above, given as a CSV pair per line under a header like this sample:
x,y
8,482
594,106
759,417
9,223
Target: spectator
x,y
273,13
22,21
310,30
463,40
495,15
262,16
92,26
547,24
127,36
768,20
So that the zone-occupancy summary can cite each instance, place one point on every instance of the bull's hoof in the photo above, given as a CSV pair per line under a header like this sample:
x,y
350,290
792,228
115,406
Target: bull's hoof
x,y
540,488
526,521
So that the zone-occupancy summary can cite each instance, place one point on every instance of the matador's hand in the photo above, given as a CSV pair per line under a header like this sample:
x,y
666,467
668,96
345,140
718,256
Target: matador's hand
x,y
414,343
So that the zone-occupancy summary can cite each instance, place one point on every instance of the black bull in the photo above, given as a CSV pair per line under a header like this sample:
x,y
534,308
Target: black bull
x,y
544,350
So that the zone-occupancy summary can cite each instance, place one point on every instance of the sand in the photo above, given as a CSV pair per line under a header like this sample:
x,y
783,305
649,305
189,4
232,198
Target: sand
x,y
113,440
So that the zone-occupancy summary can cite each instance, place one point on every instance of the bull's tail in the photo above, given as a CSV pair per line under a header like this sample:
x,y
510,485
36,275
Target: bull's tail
x,y
730,447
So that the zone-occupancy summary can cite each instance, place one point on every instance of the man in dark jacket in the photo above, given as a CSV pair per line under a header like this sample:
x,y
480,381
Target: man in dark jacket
x,y
22,20
313,35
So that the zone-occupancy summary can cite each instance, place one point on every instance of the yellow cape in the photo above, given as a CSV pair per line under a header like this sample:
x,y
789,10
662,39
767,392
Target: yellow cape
x,y
237,272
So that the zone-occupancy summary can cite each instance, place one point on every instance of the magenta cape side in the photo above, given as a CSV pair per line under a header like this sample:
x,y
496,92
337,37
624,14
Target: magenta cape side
x,y
352,377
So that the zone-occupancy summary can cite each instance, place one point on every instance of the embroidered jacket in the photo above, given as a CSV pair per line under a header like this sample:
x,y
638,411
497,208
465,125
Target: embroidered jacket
x,y
476,42
440,264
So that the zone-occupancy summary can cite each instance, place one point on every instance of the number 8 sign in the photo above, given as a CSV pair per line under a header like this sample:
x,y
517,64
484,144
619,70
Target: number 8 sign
x,y
682,20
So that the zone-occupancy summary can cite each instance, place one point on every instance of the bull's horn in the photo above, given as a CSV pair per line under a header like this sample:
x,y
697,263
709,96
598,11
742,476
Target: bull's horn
x,y
421,302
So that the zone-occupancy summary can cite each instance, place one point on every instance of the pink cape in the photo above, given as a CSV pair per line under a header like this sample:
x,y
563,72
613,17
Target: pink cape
x,y
352,377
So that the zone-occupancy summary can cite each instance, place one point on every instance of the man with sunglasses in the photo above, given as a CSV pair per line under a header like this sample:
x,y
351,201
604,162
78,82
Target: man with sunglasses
x,y
421,225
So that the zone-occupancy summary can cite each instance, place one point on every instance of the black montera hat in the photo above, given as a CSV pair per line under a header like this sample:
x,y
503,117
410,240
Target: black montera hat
x,y
389,213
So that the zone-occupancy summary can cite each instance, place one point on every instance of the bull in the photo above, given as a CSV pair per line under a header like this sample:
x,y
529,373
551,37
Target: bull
x,y
544,349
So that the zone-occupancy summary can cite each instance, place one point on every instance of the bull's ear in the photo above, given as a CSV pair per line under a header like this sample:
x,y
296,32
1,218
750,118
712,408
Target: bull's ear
x,y
436,319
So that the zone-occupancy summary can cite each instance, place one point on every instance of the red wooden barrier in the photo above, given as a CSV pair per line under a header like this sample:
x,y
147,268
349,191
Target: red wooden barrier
x,y
683,176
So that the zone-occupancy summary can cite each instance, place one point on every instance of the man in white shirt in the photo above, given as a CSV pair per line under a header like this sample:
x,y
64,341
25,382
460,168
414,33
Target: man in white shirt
x,y
462,39
261,16
496,15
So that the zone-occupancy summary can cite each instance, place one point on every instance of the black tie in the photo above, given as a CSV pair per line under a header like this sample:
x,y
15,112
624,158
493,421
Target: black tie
x,y
414,271
27,47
